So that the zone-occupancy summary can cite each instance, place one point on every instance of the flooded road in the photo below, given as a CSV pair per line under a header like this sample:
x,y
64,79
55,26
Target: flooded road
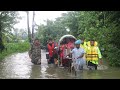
x,y
19,66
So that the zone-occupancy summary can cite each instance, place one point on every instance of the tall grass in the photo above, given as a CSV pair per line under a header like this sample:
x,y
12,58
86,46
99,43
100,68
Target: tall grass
x,y
14,48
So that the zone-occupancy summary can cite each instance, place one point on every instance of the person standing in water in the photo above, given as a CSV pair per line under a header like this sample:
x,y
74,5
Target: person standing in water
x,y
35,52
93,55
51,47
77,56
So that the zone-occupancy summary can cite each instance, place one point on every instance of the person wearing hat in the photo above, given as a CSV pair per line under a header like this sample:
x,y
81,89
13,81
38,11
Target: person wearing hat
x,y
77,56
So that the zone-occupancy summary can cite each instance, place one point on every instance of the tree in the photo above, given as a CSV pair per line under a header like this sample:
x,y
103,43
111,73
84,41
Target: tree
x,y
7,20
54,29
29,33
33,24
103,26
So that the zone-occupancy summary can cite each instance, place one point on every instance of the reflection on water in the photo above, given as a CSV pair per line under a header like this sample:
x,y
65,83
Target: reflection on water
x,y
18,66
35,72
15,66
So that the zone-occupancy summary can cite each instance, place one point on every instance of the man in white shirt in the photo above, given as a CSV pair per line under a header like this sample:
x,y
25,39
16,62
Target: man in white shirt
x,y
77,56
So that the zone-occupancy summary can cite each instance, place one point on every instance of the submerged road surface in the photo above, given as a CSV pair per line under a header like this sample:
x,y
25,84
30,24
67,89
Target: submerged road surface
x,y
19,66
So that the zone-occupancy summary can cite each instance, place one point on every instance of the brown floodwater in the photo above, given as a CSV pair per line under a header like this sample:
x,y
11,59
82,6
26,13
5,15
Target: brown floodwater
x,y
19,66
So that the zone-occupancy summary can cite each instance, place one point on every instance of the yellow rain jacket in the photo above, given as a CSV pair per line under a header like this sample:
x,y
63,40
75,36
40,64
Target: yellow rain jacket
x,y
93,53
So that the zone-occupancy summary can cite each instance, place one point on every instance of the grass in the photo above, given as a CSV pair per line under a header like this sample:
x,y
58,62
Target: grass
x,y
14,48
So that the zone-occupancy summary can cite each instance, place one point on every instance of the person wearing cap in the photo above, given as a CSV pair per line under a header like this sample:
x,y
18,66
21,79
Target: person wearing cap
x,y
77,56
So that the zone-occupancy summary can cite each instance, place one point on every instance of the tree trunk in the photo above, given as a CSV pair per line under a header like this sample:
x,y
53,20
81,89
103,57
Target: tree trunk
x,y
0,36
33,25
29,33
1,41
0,30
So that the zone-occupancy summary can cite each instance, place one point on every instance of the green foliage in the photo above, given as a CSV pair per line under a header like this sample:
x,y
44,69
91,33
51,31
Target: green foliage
x,y
7,20
53,29
114,56
14,48
103,26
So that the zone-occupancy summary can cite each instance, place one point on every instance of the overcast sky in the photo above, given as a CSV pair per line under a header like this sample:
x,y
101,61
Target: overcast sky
x,y
40,16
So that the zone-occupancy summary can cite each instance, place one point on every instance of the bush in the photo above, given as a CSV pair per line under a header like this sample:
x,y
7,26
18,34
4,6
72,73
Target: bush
x,y
14,48
113,56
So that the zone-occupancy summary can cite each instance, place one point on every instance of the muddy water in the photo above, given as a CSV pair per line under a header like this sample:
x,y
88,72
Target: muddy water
x,y
19,66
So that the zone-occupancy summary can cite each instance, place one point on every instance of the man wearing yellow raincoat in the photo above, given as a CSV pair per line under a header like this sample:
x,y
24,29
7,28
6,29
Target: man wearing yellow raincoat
x,y
93,54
